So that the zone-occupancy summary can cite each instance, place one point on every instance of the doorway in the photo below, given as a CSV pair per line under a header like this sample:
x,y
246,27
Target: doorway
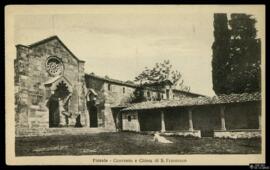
x,y
92,110
54,113
60,93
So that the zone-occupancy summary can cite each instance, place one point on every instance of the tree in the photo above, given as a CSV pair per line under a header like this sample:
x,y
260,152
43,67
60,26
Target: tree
x,y
161,72
220,47
236,55
245,54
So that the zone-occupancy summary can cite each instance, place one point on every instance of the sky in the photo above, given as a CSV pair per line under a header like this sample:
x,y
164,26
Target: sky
x,y
121,42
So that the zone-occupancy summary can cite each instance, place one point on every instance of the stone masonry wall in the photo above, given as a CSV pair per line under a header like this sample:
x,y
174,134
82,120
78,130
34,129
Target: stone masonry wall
x,y
237,134
179,94
117,94
108,98
31,73
98,86
131,122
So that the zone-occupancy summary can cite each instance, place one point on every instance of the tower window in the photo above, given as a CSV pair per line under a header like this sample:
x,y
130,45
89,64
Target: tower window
x,y
167,93
109,87
124,90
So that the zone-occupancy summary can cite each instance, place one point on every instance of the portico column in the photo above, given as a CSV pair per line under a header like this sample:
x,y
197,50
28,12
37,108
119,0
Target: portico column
x,y
162,122
222,116
117,121
190,123
260,120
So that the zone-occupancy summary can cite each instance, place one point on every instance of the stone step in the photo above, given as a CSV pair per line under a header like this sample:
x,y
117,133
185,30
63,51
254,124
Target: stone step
x,y
58,131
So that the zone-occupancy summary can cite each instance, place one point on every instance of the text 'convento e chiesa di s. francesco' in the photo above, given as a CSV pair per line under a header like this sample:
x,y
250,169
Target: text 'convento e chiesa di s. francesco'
x,y
55,95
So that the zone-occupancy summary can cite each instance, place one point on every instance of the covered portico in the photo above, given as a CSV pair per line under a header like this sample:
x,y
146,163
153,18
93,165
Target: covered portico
x,y
202,116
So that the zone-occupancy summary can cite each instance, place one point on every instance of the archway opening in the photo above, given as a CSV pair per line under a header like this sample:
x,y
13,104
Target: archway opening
x,y
92,110
58,103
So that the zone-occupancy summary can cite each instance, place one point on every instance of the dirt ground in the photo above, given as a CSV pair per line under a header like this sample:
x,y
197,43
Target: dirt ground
x,y
130,143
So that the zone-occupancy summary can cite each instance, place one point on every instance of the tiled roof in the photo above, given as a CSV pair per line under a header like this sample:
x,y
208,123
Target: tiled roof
x,y
222,99
187,92
163,82
237,98
123,105
112,80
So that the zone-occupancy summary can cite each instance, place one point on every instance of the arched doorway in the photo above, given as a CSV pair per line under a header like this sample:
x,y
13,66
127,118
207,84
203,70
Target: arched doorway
x,y
58,101
93,114
92,108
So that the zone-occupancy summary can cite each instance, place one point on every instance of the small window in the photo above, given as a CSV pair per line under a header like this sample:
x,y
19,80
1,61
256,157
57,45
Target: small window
x,y
167,93
129,118
109,87
124,90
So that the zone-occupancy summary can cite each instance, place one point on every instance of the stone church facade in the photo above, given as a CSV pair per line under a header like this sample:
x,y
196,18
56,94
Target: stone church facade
x,y
42,70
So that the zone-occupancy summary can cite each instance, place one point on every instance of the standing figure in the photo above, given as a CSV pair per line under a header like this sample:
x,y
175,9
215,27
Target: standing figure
x,y
78,121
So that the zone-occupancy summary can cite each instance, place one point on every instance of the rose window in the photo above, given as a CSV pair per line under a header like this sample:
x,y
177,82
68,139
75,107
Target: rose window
x,y
54,66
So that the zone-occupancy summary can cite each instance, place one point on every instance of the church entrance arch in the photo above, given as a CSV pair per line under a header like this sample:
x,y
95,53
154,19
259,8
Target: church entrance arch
x,y
92,108
58,102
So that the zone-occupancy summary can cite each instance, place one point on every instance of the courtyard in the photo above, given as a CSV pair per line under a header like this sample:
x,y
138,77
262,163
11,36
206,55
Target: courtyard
x,y
130,143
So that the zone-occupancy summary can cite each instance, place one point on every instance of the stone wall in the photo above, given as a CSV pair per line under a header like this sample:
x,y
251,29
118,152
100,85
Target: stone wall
x,y
185,133
108,97
24,132
177,94
98,86
118,94
30,76
117,115
237,134
130,122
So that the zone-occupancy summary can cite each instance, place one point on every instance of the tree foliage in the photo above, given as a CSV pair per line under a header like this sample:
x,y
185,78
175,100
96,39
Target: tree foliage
x,y
236,54
161,72
220,51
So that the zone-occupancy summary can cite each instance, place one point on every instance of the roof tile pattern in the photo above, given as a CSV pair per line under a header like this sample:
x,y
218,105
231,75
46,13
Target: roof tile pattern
x,y
222,99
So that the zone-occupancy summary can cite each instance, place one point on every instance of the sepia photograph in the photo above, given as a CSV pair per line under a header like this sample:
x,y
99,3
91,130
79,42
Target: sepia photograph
x,y
135,84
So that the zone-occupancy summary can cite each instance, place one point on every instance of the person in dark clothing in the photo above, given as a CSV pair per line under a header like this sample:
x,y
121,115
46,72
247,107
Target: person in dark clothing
x,y
78,121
